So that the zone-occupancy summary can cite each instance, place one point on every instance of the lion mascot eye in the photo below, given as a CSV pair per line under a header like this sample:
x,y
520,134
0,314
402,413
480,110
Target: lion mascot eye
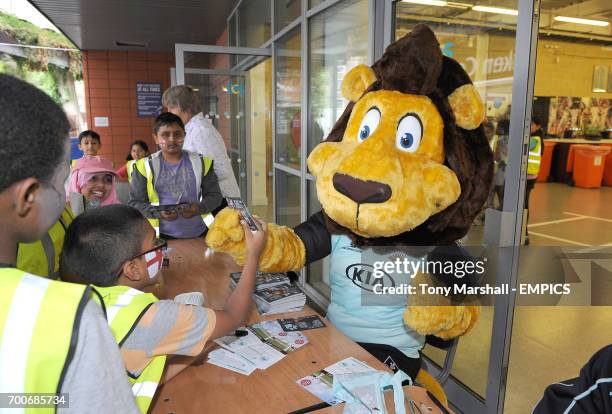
x,y
409,133
369,124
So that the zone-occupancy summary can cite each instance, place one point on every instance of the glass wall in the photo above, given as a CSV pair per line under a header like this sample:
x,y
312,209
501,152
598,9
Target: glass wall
x,y
484,44
288,96
286,11
572,104
254,23
288,206
337,42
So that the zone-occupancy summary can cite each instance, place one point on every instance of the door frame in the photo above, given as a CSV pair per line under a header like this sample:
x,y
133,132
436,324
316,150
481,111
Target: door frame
x,y
256,55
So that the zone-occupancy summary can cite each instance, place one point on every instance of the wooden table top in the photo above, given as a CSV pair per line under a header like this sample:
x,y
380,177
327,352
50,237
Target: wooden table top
x,y
210,389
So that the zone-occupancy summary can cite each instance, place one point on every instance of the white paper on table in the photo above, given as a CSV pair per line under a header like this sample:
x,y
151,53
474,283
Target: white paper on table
x,y
252,349
321,389
225,359
349,365
274,330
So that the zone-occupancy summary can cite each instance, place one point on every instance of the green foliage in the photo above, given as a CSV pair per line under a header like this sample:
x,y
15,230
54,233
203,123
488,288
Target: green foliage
x,y
27,33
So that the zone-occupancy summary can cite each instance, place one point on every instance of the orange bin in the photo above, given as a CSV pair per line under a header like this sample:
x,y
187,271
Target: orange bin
x,y
607,176
588,165
546,161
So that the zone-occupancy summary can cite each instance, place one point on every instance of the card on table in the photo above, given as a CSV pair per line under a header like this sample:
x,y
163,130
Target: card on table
x,y
301,324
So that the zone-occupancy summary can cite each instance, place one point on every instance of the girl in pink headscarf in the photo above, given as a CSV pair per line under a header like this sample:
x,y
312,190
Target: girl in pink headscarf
x,y
94,178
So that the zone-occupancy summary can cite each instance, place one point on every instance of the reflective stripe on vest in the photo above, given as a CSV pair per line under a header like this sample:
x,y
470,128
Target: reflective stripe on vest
x,y
124,308
130,169
143,165
42,257
39,319
533,162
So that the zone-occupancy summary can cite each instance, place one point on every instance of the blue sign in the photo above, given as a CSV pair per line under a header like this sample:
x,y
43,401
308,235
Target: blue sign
x,y
75,152
148,99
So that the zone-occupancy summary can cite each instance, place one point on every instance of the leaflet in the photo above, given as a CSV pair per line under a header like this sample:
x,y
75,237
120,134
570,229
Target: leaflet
x,y
252,349
228,360
321,382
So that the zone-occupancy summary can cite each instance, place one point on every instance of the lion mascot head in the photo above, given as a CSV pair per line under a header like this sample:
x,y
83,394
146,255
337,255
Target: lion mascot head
x,y
407,163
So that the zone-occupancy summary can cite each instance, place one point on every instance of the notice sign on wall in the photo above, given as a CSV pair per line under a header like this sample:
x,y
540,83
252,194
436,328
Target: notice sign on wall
x,y
148,99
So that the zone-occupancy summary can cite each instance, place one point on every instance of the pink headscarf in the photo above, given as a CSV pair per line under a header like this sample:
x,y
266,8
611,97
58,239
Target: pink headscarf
x,y
85,168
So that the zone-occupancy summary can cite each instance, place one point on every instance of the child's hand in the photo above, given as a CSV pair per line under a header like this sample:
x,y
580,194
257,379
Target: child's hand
x,y
190,210
169,215
255,240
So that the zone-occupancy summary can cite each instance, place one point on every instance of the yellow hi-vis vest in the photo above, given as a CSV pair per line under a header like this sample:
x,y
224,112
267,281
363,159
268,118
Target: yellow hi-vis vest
x,y
535,155
39,322
124,307
130,169
42,257
146,167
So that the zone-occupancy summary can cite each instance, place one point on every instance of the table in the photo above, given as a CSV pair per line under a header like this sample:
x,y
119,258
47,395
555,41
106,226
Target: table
x,y
210,389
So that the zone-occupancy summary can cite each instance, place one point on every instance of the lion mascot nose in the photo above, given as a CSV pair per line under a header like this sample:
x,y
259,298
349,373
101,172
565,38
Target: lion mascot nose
x,y
361,191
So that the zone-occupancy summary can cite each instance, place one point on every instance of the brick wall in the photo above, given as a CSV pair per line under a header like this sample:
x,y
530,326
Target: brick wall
x,y
110,91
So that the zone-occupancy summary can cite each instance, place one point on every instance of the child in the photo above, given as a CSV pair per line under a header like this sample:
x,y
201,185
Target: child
x,y
139,149
89,143
53,338
94,181
115,249
182,181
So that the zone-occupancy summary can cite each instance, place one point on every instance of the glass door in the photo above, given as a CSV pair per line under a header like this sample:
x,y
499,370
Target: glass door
x,y
494,46
235,88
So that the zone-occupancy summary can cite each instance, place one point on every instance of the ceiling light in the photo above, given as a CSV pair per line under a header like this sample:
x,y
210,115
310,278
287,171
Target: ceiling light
x,y
460,5
581,21
439,3
498,10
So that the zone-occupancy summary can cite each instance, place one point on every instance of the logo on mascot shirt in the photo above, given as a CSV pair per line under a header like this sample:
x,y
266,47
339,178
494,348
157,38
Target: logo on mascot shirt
x,y
362,276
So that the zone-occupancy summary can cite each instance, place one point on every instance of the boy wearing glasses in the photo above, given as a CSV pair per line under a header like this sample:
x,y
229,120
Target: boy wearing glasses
x,y
116,250
175,189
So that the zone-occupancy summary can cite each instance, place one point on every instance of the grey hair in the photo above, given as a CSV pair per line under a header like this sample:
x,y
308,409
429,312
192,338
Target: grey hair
x,y
183,97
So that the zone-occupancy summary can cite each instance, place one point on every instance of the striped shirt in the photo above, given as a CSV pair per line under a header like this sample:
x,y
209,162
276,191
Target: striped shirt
x,y
167,328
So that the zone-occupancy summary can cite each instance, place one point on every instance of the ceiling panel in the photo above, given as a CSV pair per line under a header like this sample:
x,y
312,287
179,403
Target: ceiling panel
x,y
96,25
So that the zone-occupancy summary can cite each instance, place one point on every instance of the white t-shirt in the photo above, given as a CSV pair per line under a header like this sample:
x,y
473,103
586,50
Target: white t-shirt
x,y
202,137
96,380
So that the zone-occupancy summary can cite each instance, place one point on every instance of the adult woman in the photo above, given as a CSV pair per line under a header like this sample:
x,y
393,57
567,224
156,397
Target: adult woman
x,y
201,136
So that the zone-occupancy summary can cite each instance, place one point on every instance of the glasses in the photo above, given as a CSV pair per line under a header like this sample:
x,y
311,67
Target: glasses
x,y
158,244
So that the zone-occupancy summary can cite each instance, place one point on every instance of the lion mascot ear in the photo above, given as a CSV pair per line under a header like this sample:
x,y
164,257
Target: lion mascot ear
x,y
356,82
467,106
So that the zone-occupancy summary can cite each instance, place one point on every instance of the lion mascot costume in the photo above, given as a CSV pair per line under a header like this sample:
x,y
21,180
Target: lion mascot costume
x,y
407,164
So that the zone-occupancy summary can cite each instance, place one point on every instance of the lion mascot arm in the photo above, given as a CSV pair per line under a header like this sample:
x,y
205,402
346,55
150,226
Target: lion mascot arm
x,y
286,248
291,249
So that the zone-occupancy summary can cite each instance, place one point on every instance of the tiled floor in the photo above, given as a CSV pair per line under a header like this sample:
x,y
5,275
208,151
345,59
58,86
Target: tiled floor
x,y
549,344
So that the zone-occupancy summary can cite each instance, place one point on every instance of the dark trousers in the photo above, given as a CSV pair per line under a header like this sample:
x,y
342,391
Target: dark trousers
x,y
528,187
393,358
